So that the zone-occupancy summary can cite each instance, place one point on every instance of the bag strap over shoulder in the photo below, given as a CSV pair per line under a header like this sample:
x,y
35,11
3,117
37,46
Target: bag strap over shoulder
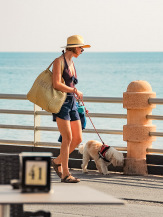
x,y
62,65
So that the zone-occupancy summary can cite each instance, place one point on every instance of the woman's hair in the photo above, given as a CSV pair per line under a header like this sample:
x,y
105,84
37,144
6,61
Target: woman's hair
x,y
73,49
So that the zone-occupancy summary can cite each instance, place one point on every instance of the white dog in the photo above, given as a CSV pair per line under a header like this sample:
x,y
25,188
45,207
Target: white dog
x,y
103,156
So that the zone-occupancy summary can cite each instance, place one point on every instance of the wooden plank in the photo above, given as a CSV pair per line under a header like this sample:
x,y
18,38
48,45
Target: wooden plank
x,y
15,149
9,167
22,148
155,159
55,150
155,170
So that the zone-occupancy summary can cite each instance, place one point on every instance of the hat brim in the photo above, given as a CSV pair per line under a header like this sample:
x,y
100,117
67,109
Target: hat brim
x,y
79,45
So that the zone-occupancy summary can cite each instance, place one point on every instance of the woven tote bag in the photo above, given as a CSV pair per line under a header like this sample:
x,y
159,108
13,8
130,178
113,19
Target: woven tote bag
x,y
44,95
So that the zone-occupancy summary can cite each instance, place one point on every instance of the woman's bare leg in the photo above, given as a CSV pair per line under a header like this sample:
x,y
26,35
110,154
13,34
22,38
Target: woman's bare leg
x,y
76,132
76,135
65,130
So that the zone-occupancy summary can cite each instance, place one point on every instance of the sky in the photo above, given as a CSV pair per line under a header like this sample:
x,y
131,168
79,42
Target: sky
x,y
107,25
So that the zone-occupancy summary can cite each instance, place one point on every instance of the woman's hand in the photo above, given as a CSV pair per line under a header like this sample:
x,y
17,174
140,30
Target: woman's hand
x,y
78,93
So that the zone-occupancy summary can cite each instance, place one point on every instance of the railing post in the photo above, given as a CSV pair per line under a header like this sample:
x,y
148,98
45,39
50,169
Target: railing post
x,y
4,210
36,124
138,127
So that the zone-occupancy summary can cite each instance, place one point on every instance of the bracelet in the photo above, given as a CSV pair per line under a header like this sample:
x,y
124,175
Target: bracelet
x,y
75,90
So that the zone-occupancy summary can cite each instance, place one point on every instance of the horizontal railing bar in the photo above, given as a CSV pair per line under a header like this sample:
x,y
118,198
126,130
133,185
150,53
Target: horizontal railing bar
x,y
16,142
50,144
103,99
20,127
16,127
154,117
47,128
19,112
42,113
102,131
47,144
28,112
116,147
93,115
13,96
155,101
84,131
153,150
120,148
160,134
86,99
107,115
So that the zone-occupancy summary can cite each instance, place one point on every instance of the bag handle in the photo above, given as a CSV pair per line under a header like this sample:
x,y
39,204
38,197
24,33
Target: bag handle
x,y
50,65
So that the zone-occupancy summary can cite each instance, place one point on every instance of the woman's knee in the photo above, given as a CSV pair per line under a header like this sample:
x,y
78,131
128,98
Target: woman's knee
x,y
78,139
67,139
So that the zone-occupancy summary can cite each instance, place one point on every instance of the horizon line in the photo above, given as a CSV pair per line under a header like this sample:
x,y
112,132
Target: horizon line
x,y
86,52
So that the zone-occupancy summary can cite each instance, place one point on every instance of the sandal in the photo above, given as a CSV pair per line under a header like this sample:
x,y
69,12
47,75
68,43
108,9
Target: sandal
x,y
70,179
55,167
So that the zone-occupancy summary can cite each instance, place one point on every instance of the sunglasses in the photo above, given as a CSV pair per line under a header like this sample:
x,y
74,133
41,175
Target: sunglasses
x,y
81,49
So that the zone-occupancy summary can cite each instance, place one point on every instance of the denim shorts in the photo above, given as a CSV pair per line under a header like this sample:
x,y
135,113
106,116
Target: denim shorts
x,y
68,110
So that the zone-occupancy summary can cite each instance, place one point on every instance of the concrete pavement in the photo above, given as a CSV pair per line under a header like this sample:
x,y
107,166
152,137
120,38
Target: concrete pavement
x,y
143,196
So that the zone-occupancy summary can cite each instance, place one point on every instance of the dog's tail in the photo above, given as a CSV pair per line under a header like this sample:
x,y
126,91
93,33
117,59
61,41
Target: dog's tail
x,y
81,148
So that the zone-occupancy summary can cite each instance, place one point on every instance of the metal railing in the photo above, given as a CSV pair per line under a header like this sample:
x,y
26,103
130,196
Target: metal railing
x,y
37,113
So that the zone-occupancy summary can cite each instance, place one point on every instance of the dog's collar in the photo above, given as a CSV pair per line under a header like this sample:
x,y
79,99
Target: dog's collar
x,y
102,152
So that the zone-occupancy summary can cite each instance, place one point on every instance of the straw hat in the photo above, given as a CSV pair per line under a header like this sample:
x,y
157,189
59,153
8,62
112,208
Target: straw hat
x,y
76,41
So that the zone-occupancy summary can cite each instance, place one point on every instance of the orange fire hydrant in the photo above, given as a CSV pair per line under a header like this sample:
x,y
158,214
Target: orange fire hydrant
x,y
138,127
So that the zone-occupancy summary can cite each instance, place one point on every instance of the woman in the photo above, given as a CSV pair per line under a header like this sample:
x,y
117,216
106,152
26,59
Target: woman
x,y
68,119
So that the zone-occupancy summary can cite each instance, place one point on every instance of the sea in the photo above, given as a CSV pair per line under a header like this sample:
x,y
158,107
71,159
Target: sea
x,y
100,74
